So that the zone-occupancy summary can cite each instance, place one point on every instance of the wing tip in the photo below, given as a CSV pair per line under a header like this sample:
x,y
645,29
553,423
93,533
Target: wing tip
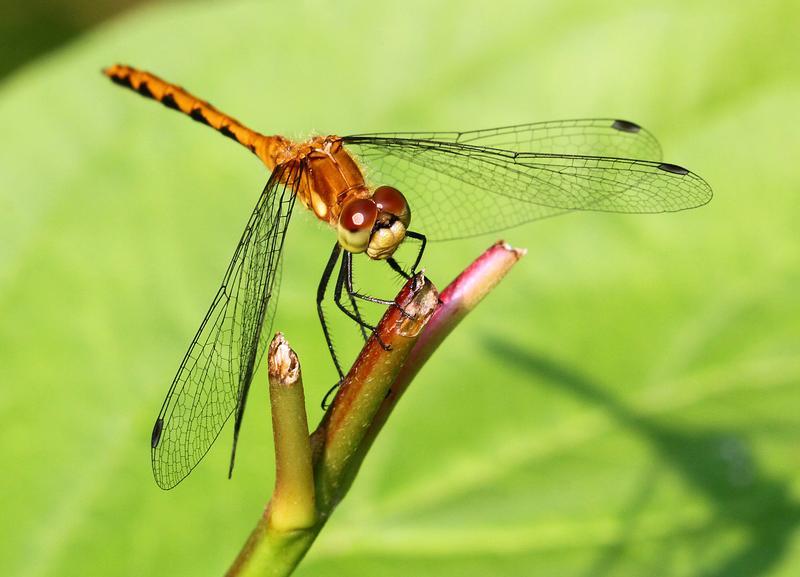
x,y
626,126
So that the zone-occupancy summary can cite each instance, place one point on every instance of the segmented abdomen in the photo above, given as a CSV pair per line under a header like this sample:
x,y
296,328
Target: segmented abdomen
x,y
268,148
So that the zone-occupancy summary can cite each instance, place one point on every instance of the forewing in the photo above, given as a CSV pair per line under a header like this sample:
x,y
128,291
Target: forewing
x,y
587,137
214,376
457,189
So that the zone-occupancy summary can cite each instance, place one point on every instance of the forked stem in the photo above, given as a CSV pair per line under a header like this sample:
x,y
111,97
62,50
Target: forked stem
x,y
314,473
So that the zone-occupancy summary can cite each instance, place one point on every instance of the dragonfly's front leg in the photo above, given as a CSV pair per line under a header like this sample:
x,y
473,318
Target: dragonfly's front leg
x,y
423,243
395,266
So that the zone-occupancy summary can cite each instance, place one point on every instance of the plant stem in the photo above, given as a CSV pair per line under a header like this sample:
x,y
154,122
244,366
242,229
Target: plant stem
x,y
293,504
283,528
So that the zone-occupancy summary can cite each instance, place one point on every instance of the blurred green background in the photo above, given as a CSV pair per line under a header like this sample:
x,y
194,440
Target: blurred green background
x,y
625,403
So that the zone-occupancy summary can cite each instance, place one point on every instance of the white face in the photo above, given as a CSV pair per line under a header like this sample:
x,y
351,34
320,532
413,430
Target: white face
x,y
375,225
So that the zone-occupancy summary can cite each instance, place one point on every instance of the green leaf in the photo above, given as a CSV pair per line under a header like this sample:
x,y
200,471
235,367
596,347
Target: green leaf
x,y
624,404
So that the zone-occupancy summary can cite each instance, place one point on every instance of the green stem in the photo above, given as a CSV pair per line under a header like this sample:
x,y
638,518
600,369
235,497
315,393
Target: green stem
x,y
293,503
284,532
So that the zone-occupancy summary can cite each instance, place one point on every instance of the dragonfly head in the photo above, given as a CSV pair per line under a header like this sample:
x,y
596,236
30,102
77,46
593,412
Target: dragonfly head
x,y
375,225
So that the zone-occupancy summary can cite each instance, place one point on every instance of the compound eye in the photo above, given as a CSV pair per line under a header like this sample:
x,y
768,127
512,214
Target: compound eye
x,y
391,200
355,224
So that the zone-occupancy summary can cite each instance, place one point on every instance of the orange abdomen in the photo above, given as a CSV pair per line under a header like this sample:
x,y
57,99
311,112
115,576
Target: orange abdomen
x,y
268,148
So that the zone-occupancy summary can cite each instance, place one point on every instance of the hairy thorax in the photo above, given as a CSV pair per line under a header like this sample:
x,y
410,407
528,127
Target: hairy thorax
x,y
330,177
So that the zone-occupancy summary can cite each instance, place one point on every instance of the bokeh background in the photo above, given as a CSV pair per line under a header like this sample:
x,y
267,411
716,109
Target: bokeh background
x,y
624,404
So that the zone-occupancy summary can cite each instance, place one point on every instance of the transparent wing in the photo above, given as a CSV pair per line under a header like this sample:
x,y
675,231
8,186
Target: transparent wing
x,y
458,189
214,377
587,136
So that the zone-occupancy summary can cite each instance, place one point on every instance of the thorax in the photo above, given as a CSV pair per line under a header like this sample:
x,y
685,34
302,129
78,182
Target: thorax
x,y
330,176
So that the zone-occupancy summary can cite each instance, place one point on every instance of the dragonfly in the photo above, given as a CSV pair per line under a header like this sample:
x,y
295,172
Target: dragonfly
x,y
366,188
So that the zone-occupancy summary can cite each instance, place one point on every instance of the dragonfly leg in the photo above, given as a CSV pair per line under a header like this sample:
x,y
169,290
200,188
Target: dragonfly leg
x,y
423,242
324,404
372,299
344,280
355,314
346,276
395,266
323,285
